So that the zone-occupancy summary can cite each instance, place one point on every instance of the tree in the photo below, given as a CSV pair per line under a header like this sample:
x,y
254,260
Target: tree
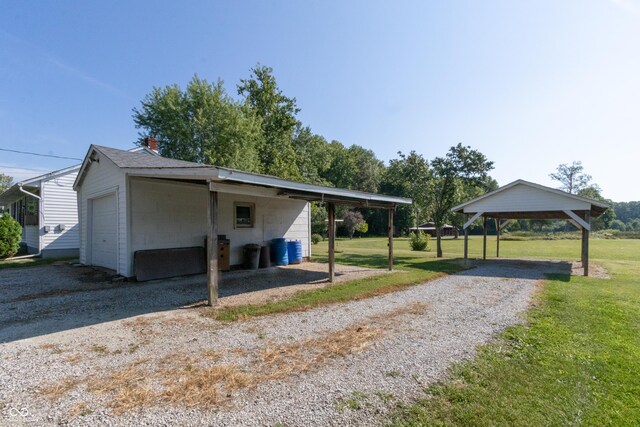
x,y
200,124
5,182
278,113
409,176
604,221
571,177
313,155
352,219
461,167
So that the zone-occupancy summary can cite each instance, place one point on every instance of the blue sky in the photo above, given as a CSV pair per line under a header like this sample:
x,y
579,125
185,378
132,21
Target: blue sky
x,y
530,84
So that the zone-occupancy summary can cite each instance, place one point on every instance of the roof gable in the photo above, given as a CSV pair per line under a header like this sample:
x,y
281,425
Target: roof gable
x,y
522,196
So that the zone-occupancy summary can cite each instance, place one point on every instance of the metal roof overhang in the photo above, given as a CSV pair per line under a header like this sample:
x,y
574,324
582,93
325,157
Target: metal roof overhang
x,y
245,181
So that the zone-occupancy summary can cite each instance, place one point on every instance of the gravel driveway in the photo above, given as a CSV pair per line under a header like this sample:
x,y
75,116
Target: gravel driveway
x,y
346,364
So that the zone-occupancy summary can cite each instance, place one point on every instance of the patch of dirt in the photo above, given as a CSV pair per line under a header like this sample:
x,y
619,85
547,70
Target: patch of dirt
x,y
595,270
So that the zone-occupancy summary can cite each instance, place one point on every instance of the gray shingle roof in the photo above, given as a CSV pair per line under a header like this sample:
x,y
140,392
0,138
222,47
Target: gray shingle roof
x,y
128,159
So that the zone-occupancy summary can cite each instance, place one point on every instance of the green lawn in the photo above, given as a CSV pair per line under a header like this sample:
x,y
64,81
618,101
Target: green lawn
x,y
575,362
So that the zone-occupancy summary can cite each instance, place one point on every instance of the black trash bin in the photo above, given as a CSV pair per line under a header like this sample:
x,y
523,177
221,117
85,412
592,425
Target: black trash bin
x,y
251,256
265,256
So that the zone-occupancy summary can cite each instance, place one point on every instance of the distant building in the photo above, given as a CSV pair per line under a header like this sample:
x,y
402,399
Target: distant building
x,y
430,229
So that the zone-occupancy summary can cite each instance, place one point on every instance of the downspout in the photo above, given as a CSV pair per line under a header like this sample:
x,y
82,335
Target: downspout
x,y
40,221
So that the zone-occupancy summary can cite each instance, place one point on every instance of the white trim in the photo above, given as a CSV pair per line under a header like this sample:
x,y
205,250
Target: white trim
x,y
577,219
473,218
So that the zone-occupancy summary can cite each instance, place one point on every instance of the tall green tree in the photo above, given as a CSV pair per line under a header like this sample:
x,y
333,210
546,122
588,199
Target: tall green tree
x,y
355,168
409,176
571,177
278,113
461,167
6,182
313,155
605,220
201,124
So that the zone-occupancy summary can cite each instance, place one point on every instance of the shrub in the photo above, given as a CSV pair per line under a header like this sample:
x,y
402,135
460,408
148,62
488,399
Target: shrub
x,y
419,241
10,236
316,238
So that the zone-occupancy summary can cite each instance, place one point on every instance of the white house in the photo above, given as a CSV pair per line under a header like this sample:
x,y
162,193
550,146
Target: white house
x,y
130,202
46,208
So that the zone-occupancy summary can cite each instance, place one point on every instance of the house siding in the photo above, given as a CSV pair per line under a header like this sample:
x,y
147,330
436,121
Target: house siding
x,y
172,214
524,198
60,207
103,178
30,236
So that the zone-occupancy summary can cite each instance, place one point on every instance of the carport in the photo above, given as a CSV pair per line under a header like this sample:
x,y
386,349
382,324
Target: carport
x,y
526,200
238,181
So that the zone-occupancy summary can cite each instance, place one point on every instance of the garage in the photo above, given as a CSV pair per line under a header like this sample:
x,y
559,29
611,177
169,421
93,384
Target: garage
x,y
104,232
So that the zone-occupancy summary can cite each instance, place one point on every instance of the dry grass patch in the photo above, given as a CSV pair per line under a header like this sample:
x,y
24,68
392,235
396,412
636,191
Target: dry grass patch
x,y
74,358
58,390
204,379
80,410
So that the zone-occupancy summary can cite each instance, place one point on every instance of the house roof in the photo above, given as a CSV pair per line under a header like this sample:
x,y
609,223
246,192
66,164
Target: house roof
x,y
524,199
160,167
13,193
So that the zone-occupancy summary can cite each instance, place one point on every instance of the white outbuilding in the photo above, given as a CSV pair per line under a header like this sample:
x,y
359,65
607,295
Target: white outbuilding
x,y
526,200
130,203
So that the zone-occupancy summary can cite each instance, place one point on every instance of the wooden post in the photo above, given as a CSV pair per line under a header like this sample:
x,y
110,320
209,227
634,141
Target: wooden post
x,y
212,248
484,237
390,234
466,239
585,244
332,239
497,237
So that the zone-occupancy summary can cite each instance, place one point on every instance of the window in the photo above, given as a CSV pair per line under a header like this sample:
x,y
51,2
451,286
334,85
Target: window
x,y
243,215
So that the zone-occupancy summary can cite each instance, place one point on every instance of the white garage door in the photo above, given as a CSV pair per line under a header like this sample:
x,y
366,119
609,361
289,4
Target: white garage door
x,y
104,232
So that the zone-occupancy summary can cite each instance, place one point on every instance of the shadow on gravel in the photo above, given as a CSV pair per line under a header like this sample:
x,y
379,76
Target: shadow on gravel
x,y
517,269
46,299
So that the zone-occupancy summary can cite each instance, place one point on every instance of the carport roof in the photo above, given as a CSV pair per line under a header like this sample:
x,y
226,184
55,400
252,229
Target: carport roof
x,y
526,200
140,164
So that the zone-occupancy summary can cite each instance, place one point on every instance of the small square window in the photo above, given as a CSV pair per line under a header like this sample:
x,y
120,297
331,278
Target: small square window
x,y
243,215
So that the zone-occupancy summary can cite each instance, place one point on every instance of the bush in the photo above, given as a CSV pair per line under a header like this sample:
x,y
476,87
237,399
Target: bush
x,y
316,238
419,241
10,236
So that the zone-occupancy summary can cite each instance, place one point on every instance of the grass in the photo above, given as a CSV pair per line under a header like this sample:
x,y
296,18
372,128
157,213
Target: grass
x,y
574,362
417,267
31,262
415,270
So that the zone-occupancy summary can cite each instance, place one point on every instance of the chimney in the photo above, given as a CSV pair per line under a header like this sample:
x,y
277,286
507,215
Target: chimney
x,y
151,143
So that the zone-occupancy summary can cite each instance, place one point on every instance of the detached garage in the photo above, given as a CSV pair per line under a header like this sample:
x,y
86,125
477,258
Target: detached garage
x,y
137,202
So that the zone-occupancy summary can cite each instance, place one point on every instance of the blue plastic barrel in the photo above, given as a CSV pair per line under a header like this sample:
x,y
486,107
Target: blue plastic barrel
x,y
294,249
279,251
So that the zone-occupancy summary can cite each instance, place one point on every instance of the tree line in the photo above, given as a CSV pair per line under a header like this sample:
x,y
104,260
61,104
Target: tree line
x,y
258,131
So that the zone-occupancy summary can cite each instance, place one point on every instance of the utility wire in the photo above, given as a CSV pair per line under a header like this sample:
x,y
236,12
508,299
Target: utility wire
x,y
38,154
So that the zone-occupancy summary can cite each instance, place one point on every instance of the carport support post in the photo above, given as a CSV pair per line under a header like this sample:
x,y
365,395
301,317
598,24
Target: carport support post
x,y
484,237
331,214
585,244
212,248
466,239
497,237
390,234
